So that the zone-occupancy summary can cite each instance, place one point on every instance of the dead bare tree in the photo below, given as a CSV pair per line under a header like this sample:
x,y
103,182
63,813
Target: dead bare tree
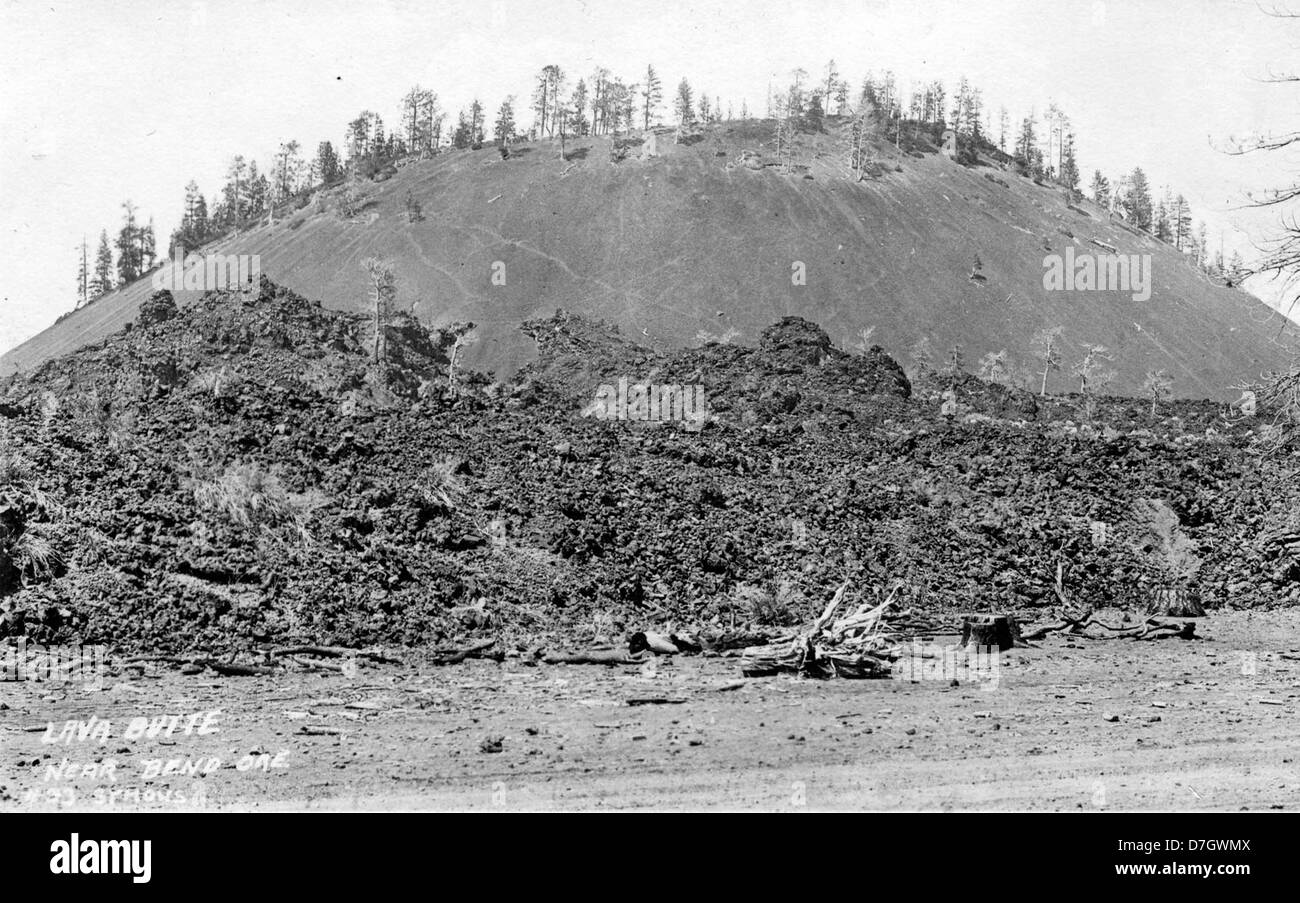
x,y
1159,386
383,290
454,338
1277,402
1282,254
1048,345
1093,375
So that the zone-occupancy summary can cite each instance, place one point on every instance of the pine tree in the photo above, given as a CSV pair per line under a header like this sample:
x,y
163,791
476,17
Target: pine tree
x,y
460,139
598,87
504,129
1100,189
421,121
1138,200
1236,268
557,88
101,282
236,191
1181,223
1161,224
974,115
327,163
652,94
960,101
1057,124
936,97
359,137
1069,176
148,247
921,354
627,104
796,97
378,140
128,246
578,124
859,143
684,107
782,132
814,113
618,106
563,117
476,124
194,219
259,192
83,274
546,99
286,170
1026,146
828,85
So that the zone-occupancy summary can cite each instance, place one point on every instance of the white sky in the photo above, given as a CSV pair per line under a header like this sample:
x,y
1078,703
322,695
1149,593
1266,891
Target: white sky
x,y
103,101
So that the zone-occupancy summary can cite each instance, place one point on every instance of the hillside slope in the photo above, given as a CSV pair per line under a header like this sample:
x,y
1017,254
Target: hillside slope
x,y
693,243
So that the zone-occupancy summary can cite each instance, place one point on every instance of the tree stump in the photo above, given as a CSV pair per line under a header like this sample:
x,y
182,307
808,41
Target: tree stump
x,y
995,631
1175,602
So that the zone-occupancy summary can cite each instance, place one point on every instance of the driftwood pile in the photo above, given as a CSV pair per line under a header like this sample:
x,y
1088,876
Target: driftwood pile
x,y
857,646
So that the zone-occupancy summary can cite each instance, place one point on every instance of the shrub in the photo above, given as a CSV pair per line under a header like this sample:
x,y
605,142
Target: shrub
x,y
772,606
249,498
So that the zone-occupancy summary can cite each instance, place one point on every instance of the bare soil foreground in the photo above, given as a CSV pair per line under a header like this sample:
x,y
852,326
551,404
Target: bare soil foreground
x,y
1073,724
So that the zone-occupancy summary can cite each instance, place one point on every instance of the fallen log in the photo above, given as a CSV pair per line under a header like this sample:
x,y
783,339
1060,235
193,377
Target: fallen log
x,y
1150,629
457,656
334,652
232,670
728,640
595,657
1042,632
1157,630
308,731
317,666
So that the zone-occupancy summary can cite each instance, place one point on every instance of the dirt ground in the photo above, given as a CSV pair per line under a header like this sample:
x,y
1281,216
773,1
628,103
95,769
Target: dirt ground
x,y
1070,725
